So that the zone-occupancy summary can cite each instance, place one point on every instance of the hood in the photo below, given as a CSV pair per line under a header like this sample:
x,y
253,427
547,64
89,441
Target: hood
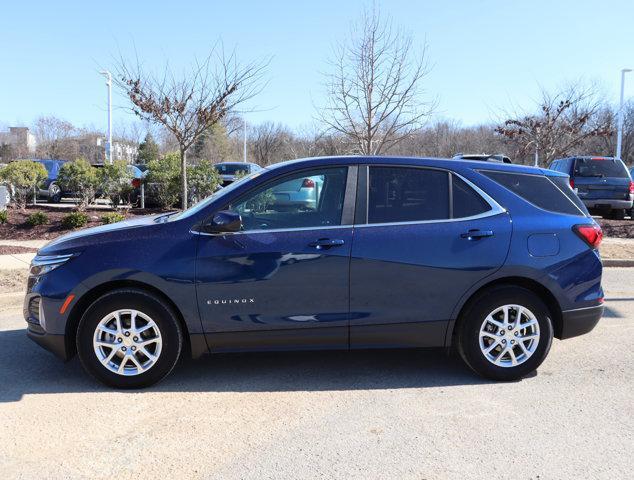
x,y
74,238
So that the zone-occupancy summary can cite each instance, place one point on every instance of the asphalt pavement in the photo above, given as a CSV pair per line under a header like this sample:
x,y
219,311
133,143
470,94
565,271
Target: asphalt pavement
x,y
378,414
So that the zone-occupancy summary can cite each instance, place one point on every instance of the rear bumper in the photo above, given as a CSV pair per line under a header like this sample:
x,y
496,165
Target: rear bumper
x,y
580,321
607,202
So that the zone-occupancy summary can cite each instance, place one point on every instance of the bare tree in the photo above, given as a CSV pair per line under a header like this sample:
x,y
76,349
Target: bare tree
x,y
56,138
564,121
374,92
268,143
189,105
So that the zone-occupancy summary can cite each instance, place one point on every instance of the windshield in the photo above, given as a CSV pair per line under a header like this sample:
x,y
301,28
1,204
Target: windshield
x,y
47,164
215,196
608,167
231,169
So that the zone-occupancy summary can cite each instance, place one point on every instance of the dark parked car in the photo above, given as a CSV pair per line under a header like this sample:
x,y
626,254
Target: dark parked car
x,y
492,259
603,183
230,171
632,209
49,189
138,173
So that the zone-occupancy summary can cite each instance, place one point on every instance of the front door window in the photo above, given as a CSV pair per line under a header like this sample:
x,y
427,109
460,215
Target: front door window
x,y
305,199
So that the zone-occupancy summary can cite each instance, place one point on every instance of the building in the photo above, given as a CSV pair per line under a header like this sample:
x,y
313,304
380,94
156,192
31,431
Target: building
x,y
20,142
121,150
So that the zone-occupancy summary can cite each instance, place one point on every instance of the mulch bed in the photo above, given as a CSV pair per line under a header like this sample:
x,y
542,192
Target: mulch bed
x,y
17,229
617,228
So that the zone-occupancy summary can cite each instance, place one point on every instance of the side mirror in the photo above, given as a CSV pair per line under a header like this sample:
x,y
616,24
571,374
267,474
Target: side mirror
x,y
224,221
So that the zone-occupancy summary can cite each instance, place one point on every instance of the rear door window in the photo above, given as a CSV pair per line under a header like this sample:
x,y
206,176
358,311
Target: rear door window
x,y
402,194
538,190
600,168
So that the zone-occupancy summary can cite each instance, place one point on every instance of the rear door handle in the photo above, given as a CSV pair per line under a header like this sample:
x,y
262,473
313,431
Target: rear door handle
x,y
476,234
326,243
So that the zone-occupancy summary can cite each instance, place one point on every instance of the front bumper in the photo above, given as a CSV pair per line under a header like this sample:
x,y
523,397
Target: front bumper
x,y
55,344
579,321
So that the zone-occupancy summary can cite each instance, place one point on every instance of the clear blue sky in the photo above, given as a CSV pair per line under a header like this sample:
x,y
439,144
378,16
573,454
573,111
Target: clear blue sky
x,y
486,54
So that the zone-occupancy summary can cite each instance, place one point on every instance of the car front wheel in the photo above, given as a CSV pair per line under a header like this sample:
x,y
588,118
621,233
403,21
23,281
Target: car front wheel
x,y
505,334
129,339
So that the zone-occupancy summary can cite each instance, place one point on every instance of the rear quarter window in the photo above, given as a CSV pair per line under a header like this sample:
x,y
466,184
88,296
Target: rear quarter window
x,y
466,201
538,190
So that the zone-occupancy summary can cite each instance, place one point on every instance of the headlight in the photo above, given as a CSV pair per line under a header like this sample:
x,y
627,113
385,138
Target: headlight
x,y
42,264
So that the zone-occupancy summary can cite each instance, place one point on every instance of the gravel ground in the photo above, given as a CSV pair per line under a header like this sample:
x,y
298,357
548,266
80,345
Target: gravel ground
x,y
383,414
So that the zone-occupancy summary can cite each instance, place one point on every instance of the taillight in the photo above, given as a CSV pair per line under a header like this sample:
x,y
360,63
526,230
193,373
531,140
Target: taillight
x,y
591,234
136,183
308,183
572,183
631,187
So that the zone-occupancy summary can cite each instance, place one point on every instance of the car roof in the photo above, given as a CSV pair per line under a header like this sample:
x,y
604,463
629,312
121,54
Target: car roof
x,y
41,160
455,164
237,163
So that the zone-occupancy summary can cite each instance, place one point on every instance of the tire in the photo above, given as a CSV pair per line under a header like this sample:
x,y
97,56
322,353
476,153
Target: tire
x,y
54,193
617,214
163,339
472,346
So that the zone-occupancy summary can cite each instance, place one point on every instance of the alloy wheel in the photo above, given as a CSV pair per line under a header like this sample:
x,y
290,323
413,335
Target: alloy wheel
x,y
509,335
127,342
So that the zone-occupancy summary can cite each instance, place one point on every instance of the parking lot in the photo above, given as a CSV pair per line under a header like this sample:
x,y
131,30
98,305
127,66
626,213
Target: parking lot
x,y
383,414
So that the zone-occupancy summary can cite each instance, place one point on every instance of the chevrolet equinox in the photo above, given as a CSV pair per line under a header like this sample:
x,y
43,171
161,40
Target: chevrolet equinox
x,y
491,259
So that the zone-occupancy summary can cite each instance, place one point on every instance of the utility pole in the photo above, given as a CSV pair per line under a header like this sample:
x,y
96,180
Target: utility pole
x,y
619,131
245,140
108,76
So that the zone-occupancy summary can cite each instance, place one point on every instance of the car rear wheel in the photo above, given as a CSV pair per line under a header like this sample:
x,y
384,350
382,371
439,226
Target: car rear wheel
x,y
54,193
129,339
505,334
617,214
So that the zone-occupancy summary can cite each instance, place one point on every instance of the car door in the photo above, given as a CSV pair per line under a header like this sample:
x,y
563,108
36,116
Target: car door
x,y
283,281
428,236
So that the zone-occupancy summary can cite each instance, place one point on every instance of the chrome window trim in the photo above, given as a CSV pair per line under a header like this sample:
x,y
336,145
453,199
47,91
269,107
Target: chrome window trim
x,y
496,209
490,213
272,230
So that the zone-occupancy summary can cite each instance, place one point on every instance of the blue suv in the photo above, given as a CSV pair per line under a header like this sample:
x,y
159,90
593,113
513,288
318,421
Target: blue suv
x,y
603,183
491,259
49,188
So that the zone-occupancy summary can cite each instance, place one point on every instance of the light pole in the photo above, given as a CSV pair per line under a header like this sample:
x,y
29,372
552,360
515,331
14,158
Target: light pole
x,y
619,130
245,141
108,76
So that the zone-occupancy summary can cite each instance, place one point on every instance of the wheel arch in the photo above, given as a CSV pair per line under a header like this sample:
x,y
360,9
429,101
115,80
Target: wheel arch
x,y
93,294
524,282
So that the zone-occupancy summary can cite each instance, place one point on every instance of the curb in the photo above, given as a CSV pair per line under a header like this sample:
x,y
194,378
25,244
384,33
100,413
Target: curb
x,y
618,262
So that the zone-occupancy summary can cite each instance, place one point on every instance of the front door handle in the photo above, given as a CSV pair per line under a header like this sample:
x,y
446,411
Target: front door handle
x,y
326,243
476,234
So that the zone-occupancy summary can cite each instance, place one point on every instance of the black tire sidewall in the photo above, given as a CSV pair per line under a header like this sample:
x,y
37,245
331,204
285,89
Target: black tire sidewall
x,y
144,302
468,341
55,197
